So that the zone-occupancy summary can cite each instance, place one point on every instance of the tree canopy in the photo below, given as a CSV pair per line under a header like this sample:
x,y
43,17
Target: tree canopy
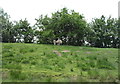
x,y
68,25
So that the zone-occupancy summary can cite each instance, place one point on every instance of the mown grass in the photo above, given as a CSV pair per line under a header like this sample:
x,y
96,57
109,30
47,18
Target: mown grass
x,y
38,63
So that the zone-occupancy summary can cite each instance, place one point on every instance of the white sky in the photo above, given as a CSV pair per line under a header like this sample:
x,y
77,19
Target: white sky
x,y
31,9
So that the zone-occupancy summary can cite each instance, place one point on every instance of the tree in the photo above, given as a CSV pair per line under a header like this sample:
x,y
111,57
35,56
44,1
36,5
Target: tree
x,y
24,31
104,32
44,33
68,25
6,27
116,42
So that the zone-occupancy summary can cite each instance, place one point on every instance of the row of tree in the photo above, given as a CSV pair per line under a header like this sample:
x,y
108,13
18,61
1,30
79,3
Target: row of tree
x,y
70,26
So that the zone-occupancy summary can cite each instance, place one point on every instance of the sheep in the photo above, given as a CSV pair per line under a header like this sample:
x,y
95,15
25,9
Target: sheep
x,y
58,42
54,41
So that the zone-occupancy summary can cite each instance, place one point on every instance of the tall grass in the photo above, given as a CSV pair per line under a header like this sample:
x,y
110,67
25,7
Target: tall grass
x,y
38,62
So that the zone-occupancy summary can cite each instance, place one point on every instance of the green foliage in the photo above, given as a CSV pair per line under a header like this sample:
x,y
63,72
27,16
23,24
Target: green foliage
x,y
6,27
15,71
94,73
105,64
68,25
104,32
85,67
25,61
23,31
64,24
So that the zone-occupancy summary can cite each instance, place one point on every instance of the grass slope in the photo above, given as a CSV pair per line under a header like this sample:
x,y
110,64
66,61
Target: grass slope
x,y
49,63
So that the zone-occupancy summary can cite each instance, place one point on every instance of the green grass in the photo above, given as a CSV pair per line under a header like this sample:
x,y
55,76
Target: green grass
x,y
38,63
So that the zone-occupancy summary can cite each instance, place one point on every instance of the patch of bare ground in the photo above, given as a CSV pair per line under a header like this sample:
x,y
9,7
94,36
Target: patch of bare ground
x,y
57,52
77,51
65,51
88,52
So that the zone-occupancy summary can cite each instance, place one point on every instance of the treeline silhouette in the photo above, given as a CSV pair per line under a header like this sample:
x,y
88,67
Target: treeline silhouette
x,y
68,25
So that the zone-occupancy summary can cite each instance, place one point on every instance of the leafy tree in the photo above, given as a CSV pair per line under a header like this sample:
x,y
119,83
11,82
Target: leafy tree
x,y
6,27
70,26
104,32
116,41
44,32
24,31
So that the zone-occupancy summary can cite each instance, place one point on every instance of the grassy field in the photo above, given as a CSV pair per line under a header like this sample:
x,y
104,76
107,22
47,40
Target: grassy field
x,y
52,63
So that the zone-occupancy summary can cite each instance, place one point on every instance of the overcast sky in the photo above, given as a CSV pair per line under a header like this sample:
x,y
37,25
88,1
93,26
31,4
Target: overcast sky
x,y
31,9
